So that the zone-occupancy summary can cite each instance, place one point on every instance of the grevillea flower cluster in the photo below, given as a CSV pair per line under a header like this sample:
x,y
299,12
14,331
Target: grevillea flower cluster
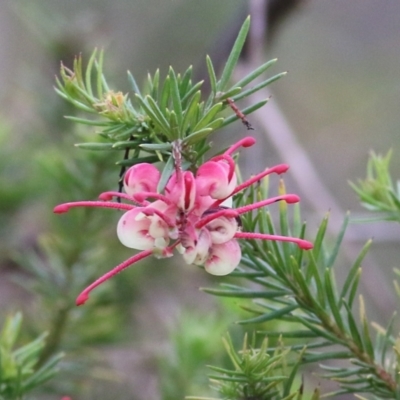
x,y
189,216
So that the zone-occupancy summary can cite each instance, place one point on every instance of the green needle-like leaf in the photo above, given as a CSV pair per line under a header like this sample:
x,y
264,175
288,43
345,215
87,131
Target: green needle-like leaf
x,y
270,316
88,74
197,136
366,336
256,73
208,117
355,334
234,56
186,81
331,296
94,146
176,98
354,270
212,76
319,239
134,85
166,174
246,111
353,288
190,114
258,87
335,251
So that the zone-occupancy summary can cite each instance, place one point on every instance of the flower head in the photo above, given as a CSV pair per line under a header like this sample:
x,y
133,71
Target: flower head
x,y
187,216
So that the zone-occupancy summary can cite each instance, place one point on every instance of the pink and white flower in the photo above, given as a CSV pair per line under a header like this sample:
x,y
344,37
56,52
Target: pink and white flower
x,y
188,215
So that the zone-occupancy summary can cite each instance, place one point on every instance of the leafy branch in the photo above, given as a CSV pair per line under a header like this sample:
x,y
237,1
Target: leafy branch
x,y
164,111
258,373
377,192
20,372
300,287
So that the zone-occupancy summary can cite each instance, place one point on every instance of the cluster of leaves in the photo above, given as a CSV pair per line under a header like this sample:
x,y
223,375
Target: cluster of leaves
x,y
299,288
20,370
377,191
163,112
259,373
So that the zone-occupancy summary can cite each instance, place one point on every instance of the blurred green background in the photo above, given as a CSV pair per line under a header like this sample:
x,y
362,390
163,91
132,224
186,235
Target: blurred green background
x,y
339,100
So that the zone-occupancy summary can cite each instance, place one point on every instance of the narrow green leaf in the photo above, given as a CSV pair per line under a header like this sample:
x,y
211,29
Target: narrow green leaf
x,y
332,355
270,316
149,84
229,94
156,146
316,251
158,112
76,103
212,76
88,74
227,341
176,98
366,336
44,373
192,90
386,339
11,330
189,119
95,146
234,56
155,84
353,288
246,111
256,73
126,132
355,334
354,269
256,88
338,242
152,110
303,291
165,93
166,174
320,331
215,124
134,85
100,77
133,161
197,136
126,144
332,299
174,126
299,334
208,116
247,294
87,121
293,373
185,82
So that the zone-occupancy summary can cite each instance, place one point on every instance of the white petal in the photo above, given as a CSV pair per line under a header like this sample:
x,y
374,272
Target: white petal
x,y
224,258
133,233
222,229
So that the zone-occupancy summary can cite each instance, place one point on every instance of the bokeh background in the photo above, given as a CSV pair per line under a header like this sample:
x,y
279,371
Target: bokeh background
x,y
339,100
